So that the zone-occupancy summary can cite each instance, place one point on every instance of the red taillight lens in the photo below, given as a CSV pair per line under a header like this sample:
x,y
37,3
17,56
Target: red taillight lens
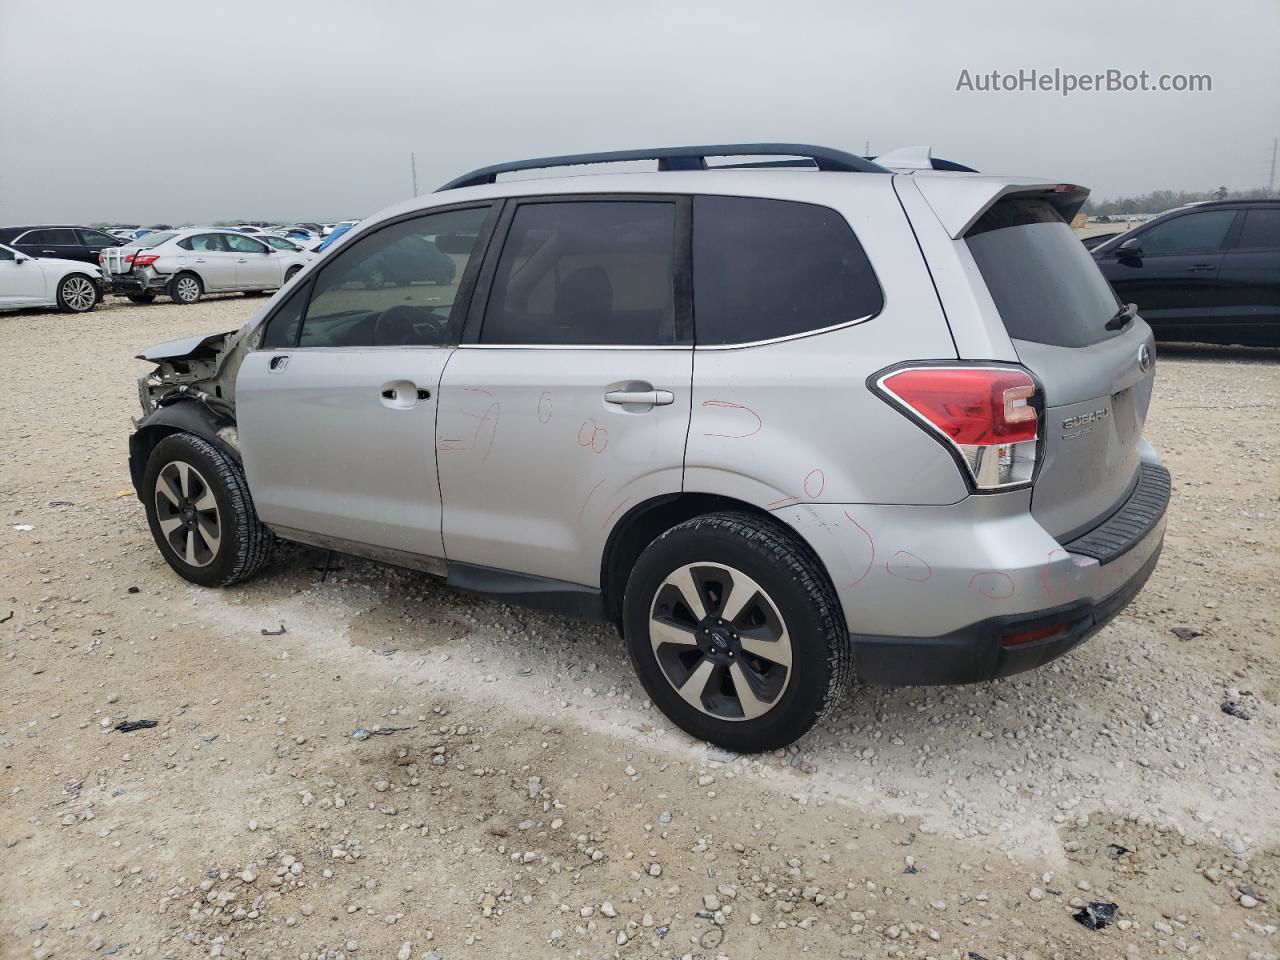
x,y
988,414
1021,637
144,259
102,257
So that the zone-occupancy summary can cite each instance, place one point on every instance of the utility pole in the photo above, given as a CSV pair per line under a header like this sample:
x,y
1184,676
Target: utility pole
x,y
866,149
1271,181
413,172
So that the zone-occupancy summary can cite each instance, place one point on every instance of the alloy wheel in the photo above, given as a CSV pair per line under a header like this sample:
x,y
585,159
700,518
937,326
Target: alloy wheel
x,y
187,513
188,289
78,293
720,641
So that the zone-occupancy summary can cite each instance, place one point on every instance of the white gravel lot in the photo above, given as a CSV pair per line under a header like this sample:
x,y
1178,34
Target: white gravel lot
x,y
534,804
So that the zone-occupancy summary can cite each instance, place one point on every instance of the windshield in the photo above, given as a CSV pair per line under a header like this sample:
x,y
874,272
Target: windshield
x,y
1043,281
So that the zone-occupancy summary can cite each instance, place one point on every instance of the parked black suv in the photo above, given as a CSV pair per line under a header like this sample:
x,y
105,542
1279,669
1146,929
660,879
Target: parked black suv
x,y
58,240
1208,272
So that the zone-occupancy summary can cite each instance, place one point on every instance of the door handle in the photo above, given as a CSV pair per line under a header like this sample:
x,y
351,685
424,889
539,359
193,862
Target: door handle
x,y
48,251
652,398
402,394
242,259
1200,268
277,363
199,259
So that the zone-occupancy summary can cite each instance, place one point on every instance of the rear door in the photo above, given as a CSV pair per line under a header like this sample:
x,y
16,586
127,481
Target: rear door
x,y
1250,281
1174,277
337,408
1097,382
257,265
211,259
568,402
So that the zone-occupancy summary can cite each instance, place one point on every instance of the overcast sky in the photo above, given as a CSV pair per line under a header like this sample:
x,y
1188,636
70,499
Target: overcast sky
x,y
143,111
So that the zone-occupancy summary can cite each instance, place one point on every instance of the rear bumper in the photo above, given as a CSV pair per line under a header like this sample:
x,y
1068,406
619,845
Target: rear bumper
x,y
135,282
930,593
975,653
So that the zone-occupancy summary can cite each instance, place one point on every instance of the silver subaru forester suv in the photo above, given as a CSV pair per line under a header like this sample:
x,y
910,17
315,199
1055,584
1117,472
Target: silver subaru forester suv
x,y
783,421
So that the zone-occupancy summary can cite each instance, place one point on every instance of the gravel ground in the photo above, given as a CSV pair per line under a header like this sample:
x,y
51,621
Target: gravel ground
x,y
527,801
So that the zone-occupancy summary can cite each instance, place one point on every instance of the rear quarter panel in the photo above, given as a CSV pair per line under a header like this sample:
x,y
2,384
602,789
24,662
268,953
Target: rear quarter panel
x,y
793,421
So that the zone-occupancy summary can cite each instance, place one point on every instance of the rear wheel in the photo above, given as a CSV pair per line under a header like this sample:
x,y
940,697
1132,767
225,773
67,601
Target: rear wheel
x,y
185,288
736,632
77,294
200,512
141,297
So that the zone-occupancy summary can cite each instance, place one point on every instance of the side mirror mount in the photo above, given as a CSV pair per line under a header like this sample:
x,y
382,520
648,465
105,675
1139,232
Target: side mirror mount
x,y
1130,248
19,258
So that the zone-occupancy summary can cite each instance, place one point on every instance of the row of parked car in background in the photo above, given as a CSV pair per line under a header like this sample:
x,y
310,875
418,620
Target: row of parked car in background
x,y
72,267
1206,271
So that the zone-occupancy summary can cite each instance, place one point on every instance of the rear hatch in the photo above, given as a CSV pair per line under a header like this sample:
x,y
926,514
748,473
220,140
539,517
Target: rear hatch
x,y
1055,305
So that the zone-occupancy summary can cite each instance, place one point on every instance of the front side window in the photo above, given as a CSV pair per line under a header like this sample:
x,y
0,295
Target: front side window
x,y
237,243
204,243
1261,230
585,273
1189,233
764,269
95,238
396,286
280,243
59,236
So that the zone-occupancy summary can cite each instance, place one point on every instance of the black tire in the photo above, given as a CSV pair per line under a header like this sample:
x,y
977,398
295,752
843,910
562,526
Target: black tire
x,y
791,576
182,292
245,544
291,273
141,297
77,293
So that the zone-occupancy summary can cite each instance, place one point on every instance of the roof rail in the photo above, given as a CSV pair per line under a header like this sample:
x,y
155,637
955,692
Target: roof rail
x,y
682,158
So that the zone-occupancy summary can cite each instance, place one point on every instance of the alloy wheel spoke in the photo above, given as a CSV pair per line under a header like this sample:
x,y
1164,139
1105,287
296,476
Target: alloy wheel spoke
x,y
682,580
166,487
209,532
206,502
752,706
168,526
691,690
190,555
742,591
184,477
775,651
663,632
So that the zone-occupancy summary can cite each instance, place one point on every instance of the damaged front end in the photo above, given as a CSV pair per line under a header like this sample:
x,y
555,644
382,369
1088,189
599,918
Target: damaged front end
x,y
193,390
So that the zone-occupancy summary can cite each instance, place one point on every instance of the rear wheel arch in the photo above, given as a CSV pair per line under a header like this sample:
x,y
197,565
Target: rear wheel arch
x,y
647,521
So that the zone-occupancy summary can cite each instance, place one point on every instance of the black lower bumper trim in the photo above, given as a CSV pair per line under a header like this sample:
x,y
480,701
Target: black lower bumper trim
x,y
974,653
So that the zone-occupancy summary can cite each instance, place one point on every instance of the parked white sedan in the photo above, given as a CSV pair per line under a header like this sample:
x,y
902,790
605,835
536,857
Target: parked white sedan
x,y
187,264
69,285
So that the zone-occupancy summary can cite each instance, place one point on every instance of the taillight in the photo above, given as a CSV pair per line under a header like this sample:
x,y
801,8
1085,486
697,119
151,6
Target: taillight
x,y
986,414
144,259
102,258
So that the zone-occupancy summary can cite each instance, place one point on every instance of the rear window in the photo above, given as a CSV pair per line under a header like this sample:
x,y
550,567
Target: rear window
x,y
1042,279
150,240
764,269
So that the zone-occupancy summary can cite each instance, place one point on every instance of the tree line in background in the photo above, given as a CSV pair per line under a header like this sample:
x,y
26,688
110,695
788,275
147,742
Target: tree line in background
x,y
1158,201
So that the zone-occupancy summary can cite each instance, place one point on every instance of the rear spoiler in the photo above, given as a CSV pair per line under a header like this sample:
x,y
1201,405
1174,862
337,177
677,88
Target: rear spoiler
x,y
959,200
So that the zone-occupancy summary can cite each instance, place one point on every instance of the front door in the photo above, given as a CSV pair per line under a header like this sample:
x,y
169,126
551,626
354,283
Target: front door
x,y
568,402
1250,278
51,243
337,406
21,282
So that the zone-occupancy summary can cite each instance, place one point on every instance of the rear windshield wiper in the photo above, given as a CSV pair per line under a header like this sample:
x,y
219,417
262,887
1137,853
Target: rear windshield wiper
x,y
1122,317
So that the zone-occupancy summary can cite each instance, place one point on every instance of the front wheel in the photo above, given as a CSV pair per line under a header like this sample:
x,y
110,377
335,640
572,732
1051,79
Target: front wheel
x,y
77,294
185,289
200,512
735,631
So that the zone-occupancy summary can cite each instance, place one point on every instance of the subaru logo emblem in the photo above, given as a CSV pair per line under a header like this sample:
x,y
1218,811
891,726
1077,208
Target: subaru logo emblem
x,y
1145,358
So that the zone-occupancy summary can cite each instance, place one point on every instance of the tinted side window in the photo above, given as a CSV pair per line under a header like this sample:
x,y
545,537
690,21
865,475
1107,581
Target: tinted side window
x,y
238,243
1261,230
282,328
772,268
60,236
395,286
1189,233
585,272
